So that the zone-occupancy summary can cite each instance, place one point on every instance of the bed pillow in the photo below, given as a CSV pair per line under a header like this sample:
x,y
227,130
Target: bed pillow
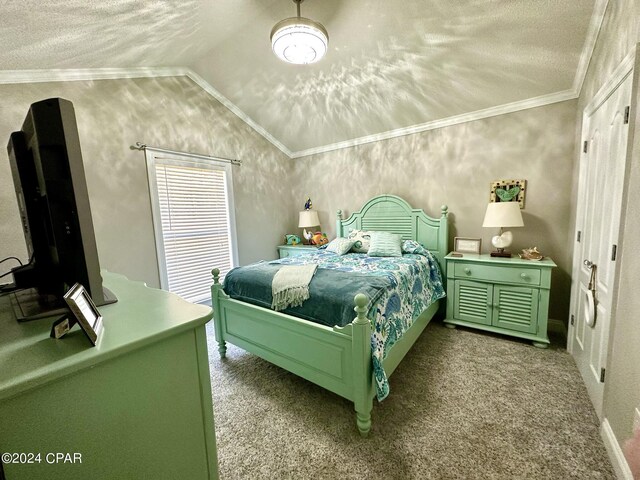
x,y
411,246
385,244
340,245
361,240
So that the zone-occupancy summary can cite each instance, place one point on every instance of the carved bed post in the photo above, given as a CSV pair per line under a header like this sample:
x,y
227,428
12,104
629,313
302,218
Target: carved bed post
x,y
362,369
339,232
217,314
443,239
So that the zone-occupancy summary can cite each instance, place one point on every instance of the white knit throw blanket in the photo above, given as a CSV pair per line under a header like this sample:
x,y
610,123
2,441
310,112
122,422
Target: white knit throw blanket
x,y
290,285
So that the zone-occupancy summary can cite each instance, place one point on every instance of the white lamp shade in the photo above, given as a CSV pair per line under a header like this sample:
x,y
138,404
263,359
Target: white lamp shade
x,y
503,214
308,218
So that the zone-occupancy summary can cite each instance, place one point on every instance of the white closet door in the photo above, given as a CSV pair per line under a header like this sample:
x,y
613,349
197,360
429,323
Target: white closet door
x,y
600,200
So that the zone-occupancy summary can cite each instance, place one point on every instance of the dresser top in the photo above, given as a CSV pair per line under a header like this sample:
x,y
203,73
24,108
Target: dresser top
x,y
142,316
515,260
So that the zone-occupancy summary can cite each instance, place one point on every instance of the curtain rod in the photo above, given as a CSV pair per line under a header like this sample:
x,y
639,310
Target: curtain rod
x,y
142,146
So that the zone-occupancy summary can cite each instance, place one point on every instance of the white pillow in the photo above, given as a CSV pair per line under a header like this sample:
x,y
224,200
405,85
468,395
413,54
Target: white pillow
x,y
361,240
340,245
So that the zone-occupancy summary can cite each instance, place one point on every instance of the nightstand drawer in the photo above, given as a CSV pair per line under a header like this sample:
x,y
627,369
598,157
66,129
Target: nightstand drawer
x,y
493,273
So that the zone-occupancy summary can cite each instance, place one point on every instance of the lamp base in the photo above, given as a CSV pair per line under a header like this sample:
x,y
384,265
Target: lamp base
x,y
501,252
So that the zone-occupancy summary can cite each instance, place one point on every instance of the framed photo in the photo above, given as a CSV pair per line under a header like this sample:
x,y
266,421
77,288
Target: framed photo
x,y
467,245
85,312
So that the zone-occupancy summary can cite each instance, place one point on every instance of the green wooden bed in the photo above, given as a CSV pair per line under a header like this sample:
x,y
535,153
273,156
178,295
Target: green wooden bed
x,y
338,358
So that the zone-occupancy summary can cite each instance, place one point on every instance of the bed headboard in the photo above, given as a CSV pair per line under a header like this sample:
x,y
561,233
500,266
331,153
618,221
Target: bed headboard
x,y
392,214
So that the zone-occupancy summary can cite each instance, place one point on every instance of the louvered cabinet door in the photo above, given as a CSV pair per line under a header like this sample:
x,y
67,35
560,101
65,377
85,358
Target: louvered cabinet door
x,y
473,302
516,308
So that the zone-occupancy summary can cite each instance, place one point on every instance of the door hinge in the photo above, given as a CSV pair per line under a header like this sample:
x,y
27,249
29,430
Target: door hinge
x,y
573,319
579,235
626,115
602,371
614,251
585,146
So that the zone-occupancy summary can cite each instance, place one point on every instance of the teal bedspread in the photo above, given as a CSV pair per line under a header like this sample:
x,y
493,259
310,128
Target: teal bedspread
x,y
399,289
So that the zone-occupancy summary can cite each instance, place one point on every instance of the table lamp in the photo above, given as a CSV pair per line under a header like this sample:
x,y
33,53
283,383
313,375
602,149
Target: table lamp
x,y
501,215
308,219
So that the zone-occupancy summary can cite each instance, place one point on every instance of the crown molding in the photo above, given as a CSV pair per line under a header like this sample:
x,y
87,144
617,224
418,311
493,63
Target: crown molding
x,y
63,75
80,74
597,19
206,86
445,122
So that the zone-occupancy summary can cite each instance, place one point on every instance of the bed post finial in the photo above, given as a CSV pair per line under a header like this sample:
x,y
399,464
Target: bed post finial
x,y
361,302
445,210
216,275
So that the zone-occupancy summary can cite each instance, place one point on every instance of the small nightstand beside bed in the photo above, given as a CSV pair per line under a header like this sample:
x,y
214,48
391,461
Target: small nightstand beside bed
x,y
396,298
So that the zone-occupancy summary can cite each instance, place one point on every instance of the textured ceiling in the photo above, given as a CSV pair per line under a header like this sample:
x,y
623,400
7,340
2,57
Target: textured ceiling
x,y
391,63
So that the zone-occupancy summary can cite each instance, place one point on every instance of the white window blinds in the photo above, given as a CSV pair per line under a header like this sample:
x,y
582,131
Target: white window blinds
x,y
193,222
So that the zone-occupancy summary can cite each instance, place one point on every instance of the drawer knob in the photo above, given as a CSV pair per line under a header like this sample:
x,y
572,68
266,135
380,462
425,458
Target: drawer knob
x,y
524,276
467,271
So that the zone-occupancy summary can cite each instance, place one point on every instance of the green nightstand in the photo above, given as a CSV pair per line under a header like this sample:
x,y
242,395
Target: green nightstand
x,y
501,295
294,250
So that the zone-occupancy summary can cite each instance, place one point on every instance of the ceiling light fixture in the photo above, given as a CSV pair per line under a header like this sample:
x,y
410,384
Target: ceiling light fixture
x,y
299,40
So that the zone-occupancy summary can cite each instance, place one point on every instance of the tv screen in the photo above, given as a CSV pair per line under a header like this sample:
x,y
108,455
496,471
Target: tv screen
x,y
48,174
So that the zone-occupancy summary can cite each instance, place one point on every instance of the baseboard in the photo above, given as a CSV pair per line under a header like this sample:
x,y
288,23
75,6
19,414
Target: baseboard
x,y
619,463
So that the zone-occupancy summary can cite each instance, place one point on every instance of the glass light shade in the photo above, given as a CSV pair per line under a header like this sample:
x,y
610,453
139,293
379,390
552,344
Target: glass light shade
x,y
503,214
299,40
308,218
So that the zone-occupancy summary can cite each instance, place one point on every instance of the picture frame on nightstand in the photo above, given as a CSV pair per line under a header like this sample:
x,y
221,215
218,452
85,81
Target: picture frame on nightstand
x,y
467,245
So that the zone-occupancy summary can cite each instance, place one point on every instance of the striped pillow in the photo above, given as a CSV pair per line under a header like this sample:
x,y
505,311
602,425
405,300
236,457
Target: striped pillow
x,y
385,244
340,245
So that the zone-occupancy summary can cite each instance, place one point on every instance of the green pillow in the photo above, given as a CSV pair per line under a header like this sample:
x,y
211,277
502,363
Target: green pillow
x,y
385,244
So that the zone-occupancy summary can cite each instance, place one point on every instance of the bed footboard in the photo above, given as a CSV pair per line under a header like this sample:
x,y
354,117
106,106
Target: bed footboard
x,y
338,358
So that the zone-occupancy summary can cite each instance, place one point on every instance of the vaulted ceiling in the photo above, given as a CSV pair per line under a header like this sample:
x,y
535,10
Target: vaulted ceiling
x,y
393,66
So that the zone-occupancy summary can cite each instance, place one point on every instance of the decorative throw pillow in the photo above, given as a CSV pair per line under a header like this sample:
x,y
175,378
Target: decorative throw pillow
x,y
340,245
411,246
385,244
361,240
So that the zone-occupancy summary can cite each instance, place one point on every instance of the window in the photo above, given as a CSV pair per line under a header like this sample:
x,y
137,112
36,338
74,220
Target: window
x,y
193,217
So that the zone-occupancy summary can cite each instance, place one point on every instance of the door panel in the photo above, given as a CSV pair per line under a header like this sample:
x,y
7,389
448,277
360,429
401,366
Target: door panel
x,y
474,302
516,308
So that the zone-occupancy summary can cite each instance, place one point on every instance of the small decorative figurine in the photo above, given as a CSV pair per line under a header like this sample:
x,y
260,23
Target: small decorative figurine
x,y
308,204
319,238
531,254
292,240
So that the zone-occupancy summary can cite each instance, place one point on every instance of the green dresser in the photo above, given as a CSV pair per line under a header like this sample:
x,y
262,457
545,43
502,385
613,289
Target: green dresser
x,y
138,405
502,295
293,250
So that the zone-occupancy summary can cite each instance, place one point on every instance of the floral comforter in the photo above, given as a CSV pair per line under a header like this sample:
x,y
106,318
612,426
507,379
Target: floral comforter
x,y
413,283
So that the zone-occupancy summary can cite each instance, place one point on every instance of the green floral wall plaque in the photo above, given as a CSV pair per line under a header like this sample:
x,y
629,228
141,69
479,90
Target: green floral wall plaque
x,y
508,191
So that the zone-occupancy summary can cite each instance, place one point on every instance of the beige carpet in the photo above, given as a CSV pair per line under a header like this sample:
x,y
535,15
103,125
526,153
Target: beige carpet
x,y
463,404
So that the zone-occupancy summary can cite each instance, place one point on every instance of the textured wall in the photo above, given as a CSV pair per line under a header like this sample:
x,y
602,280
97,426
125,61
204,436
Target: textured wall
x,y
167,112
455,165
620,32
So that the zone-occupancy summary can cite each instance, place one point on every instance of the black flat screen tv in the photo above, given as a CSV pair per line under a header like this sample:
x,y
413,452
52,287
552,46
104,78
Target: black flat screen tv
x,y
48,175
